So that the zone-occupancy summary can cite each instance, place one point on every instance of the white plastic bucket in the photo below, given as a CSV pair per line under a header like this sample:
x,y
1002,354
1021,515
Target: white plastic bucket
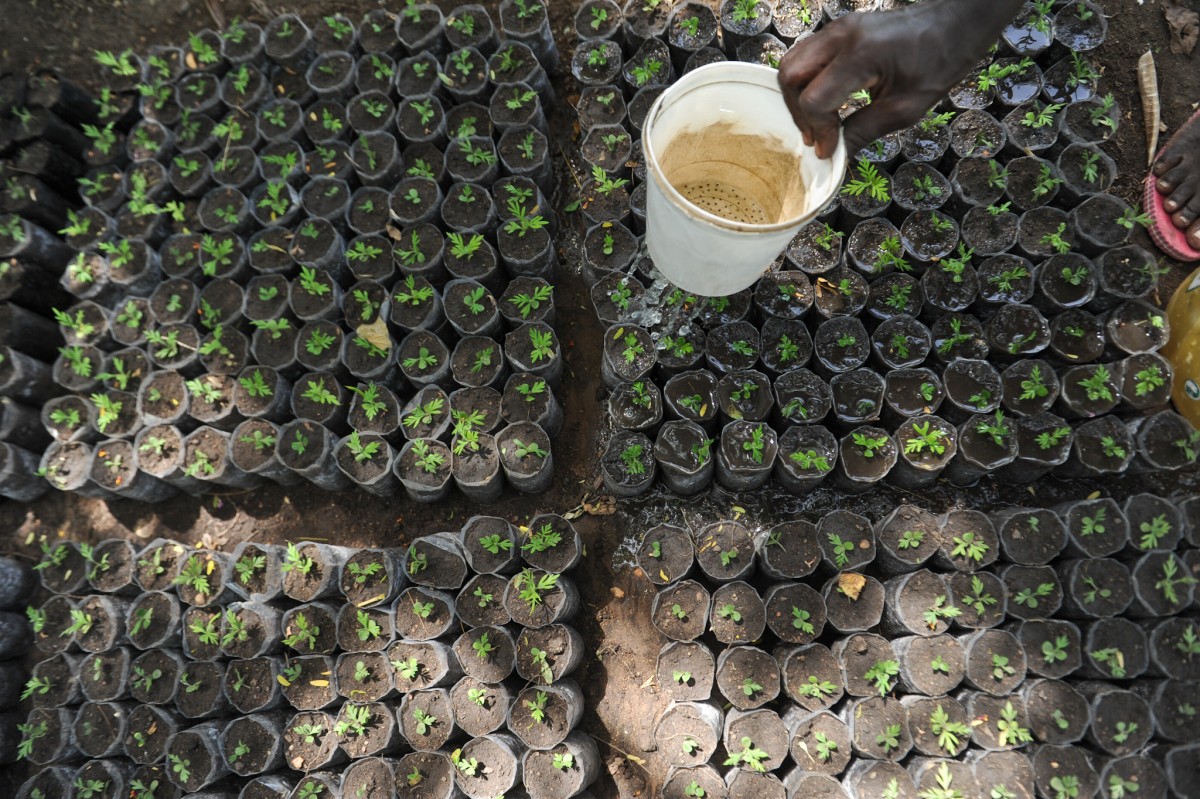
x,y
731,179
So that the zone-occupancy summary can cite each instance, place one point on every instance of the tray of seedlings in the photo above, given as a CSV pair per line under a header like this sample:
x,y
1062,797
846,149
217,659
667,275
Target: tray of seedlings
x,y
304,671
1018,653
308,252
971,303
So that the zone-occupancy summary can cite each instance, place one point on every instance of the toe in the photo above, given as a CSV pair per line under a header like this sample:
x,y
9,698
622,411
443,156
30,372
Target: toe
x,y
1167,162
1180,197
1188,214
1172,179
1193,236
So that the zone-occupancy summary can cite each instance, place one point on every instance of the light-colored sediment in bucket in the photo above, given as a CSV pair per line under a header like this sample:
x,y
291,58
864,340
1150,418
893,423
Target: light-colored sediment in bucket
x,y
735,175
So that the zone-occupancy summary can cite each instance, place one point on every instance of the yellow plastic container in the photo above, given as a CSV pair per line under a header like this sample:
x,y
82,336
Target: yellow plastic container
x,y
1183,350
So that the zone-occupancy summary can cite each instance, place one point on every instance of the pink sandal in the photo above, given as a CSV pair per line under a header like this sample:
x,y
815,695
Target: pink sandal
x,y
1170,239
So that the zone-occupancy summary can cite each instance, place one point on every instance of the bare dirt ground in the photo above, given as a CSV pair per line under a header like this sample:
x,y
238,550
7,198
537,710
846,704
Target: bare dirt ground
x,y
618,674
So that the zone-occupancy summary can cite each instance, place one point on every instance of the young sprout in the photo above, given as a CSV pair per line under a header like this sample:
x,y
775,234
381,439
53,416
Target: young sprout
x,y
870,182
889,739
881,674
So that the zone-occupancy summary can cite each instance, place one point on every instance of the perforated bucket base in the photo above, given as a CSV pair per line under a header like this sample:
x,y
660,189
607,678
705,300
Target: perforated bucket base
x,y
725,201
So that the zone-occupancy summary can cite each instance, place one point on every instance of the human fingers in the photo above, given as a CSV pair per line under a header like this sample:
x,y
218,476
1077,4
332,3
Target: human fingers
x,y
799,67
881,117
825,95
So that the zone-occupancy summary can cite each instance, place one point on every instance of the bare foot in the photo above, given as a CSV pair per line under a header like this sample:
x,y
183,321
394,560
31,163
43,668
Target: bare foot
x,y
1178,172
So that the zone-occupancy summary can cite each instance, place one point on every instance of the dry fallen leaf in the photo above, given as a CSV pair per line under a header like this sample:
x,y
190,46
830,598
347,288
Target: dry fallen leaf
x,y
851,584
376,333
605,505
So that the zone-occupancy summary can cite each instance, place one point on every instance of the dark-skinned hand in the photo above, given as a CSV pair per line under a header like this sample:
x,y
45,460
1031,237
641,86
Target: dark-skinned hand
x,y
906,59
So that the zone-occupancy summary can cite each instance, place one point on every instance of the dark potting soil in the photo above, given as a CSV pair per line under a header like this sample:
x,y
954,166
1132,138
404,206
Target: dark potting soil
x,y
151,689
666,554
434,565
479,708
363,629
967,531
745,395
163,608
367,577
555,724
318,619
434,707
250,685
1058,714
62,676
841,344
682,610
871,720
981,598
995,662
740,670
302,753
859,396
786,345
738,614
1032,537
688,725
107,625
158,564
370,777
367,469
102,773
480,603
910,535
203,695
847,540
853,602
805,669
254,733
811,743
1052,648
562,649
309,686
155,726
423,614
202,638
792,549
377,732
686,671
723,550
246,629
859,653
1113,712
958,337
921,603
419,664
363,676
639,451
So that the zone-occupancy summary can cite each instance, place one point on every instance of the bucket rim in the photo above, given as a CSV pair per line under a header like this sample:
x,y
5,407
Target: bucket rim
x,y
759,76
